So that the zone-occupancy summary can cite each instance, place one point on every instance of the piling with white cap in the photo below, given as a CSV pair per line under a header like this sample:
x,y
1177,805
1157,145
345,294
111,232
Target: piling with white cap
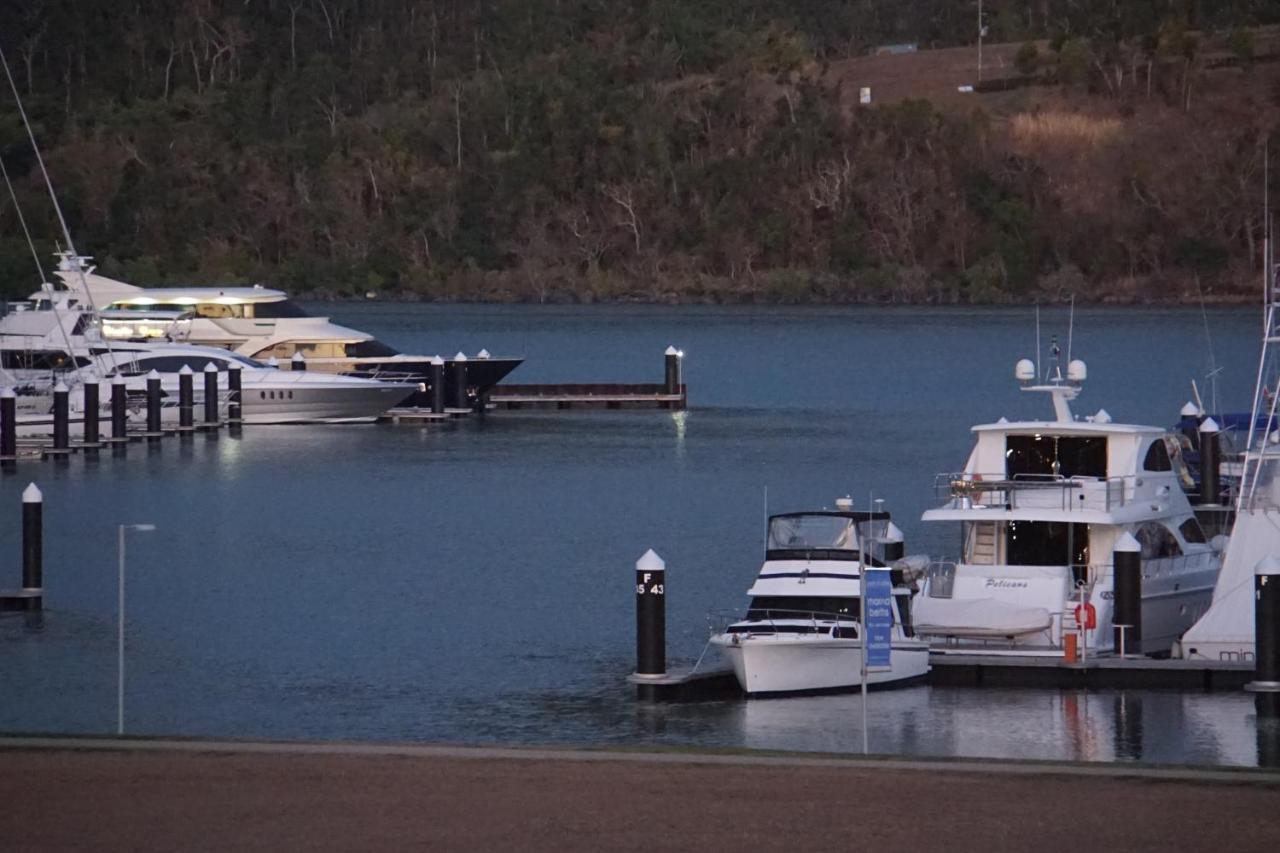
x,y
671,383
651,615
210,395
460,381
1126,585
233,395
1210,459
298,362
437,385
33,547
8,425
119,410
186,399
153,406
1266,636
61,416
90,399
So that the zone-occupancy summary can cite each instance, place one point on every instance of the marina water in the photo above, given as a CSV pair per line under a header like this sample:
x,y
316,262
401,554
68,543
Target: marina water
x,y
470,582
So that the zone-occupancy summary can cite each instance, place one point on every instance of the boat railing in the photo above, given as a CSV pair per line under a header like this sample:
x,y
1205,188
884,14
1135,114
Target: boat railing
x,y
1034,491
777,620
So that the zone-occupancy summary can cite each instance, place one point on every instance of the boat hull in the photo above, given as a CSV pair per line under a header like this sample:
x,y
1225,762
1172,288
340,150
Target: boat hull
x,y
775,664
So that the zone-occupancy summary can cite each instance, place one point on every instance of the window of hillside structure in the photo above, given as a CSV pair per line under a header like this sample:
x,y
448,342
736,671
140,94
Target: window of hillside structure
x,y
1036,456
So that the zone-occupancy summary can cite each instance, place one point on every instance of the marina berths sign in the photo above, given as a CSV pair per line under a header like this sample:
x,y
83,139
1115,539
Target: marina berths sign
x,y
879,617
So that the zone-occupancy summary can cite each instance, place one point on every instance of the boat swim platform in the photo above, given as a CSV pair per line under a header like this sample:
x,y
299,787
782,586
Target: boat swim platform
x,y
949,669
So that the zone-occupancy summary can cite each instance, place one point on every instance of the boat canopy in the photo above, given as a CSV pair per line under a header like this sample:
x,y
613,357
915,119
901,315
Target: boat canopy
x,y
818,531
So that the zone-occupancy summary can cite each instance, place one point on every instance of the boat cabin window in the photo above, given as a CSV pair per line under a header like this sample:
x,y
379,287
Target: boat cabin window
x,y
52,359
1191,531
802,607
219,311
1047,543
283,308
1044,456
1157,541
803,532
317,349
1157,458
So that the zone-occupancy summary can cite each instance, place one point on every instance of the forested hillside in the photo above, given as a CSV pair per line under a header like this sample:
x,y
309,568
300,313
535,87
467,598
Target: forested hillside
x,y
650,149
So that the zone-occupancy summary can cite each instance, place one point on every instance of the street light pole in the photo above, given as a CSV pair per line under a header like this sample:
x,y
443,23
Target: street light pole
x,y
141,528
980,29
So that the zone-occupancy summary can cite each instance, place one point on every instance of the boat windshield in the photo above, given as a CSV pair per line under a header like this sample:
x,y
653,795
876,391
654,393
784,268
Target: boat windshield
x,y
812,533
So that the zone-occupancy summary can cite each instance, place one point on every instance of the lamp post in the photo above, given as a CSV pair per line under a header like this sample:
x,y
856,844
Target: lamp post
x,y
139,528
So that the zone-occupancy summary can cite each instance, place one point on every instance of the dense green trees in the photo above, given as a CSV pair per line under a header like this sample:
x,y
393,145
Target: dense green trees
x,y
605,149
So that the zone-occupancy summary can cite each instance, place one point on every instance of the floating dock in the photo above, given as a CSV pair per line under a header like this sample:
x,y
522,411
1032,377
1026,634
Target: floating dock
x,y
952,670
588,396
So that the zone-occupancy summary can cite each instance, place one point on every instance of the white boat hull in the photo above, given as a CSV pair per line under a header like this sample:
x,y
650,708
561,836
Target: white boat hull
x,y
796,663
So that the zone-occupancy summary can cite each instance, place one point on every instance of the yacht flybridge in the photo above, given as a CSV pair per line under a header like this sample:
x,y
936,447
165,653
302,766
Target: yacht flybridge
x,y
1040,507
803,630
261,323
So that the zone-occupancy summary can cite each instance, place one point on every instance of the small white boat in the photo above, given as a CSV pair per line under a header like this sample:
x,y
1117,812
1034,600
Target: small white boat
x,y
803,630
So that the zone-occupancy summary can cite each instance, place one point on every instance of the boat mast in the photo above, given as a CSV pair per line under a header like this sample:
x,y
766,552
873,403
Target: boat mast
x,y
62,220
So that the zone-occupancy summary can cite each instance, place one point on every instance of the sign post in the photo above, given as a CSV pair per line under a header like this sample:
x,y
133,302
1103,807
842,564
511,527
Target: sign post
x,y
876,605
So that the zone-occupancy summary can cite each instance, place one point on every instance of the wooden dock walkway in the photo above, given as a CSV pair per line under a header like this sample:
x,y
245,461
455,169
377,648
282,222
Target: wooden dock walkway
x,y
600,395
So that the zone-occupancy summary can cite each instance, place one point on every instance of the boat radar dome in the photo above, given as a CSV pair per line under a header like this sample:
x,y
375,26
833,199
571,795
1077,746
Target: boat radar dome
x,y
1024,370
1076,371
844,504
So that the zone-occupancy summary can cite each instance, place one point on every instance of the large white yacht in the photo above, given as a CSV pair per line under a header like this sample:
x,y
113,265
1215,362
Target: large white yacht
x,y
260,323
1226,631
39,348
803,630
1040,506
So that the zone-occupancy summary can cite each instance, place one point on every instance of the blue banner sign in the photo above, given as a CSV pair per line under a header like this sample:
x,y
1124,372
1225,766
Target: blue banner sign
x,y
879,617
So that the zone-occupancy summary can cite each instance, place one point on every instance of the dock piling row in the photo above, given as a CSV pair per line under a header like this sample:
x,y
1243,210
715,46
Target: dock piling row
x,y
186,399
8,426
210,395
61,417
91,413
33,547
651,618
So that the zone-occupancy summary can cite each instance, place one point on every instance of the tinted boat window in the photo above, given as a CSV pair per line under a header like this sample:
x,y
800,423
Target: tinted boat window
x,y
1157,458
370,349
283,308
801,607
1055,456
1191,531
1047,543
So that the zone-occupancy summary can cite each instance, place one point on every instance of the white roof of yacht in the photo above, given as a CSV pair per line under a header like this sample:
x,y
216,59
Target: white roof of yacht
x,y
1068,428
195,295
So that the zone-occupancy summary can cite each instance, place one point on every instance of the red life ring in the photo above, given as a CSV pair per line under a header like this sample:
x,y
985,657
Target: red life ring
x,y
1090,620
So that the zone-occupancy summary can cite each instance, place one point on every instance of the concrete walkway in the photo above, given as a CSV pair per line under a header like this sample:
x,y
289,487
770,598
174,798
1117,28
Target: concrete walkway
x,y
64,793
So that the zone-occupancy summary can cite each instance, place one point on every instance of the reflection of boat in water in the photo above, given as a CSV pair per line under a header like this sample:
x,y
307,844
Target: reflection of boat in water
x,y
803,630
1041,507
262,324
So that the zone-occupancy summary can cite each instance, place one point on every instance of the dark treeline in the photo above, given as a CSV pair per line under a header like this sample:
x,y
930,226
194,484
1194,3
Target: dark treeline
x,y
640,149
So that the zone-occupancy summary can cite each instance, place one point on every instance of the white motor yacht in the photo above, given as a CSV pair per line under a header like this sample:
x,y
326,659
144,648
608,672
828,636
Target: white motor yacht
x,y
1040,507
803,631
43,346
261,323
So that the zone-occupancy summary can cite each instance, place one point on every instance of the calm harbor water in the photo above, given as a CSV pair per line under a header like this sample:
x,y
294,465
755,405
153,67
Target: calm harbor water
x,y
472,582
